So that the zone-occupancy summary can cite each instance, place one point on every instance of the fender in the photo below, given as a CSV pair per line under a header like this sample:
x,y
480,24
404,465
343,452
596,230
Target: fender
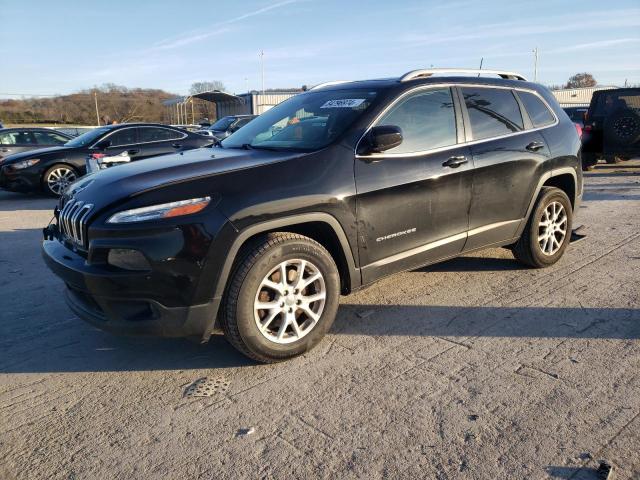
x,y
355,279
546,176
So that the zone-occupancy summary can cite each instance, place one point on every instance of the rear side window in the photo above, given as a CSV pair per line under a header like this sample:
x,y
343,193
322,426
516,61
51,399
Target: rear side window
x,y
427,120
50,138
492,112
609,102
152,134
126,136
538,112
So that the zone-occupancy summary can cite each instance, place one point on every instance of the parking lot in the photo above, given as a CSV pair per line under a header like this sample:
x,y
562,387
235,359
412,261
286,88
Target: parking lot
x,y
474,368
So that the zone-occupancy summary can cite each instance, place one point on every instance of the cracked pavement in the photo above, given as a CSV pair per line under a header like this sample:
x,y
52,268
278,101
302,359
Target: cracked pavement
x,y
473,368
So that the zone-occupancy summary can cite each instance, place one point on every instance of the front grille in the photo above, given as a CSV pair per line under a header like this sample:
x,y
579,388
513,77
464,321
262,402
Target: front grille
x,y
71,221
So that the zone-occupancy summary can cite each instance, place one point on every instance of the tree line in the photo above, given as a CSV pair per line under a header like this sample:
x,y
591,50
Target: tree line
x,y
115,103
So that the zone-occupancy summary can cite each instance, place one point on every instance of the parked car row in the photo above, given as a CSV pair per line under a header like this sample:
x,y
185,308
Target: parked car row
x,y
53,169
226,126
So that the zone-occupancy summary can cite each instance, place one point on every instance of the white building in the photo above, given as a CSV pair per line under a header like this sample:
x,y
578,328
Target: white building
x,y
577,97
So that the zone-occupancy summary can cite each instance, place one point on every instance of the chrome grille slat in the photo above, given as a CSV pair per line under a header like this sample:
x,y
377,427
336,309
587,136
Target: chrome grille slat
x,y
72,221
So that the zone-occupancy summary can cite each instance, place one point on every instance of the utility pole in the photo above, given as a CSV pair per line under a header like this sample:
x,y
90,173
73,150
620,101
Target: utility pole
x,y
535,64
262,68
481,60
95,98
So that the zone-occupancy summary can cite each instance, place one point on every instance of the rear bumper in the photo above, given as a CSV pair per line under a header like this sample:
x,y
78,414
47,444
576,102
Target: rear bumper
x,y
90,295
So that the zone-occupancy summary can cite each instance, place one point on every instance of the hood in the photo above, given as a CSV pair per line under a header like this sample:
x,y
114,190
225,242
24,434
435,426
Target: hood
x,y
124,181
41,152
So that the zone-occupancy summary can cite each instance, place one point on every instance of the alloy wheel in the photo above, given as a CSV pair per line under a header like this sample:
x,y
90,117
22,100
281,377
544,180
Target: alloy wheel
x,y
59,179
290,301
552,228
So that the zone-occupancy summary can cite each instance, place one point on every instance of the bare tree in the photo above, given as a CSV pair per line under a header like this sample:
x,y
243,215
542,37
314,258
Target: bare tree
x,y
581,80
199,87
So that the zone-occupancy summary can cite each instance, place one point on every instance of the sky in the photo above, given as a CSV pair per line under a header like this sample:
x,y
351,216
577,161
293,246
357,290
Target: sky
x,y
60,47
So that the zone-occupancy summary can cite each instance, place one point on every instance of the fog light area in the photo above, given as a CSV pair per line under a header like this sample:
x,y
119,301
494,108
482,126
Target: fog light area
x,y
127,259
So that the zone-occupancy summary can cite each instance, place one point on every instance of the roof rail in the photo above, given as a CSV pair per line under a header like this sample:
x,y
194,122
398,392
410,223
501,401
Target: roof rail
x,y
433,71
328,84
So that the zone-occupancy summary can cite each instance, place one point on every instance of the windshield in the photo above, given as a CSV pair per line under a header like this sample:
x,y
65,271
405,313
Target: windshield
x,y
87,138
222,124
308,121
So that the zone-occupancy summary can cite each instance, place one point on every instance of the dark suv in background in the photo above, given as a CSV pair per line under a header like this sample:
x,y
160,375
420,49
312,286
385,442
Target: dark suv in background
x,y
612,127
319,196
52,169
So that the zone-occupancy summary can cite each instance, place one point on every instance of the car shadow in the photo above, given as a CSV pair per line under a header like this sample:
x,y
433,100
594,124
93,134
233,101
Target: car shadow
x,y
12,202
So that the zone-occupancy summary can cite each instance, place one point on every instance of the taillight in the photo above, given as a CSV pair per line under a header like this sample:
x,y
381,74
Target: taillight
x,y
587,128
578,129
98,156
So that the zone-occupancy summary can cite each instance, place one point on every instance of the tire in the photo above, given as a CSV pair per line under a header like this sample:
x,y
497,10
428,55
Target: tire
x,y
613,159
57,178
589,161
622,128
529,248
261,262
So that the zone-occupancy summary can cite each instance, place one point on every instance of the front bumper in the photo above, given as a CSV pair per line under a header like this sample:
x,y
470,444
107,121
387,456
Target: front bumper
x,y
90,294
19,180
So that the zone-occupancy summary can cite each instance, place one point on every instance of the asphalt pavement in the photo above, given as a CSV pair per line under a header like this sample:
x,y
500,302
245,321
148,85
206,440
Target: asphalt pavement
x,y
474,368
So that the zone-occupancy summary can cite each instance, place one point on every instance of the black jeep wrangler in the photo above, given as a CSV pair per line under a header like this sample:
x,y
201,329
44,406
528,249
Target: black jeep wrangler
x,y
612,127
319,196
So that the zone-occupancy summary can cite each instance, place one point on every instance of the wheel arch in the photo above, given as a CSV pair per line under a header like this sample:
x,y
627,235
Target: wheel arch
x,y
564,178
321,227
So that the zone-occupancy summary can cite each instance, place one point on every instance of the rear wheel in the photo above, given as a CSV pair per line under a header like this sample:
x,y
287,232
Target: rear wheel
x,y
282,298
56,180
548,230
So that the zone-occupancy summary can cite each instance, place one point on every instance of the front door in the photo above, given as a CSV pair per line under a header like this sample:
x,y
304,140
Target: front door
x,y
413,200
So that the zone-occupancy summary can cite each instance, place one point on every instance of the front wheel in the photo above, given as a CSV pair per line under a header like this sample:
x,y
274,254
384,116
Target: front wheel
x,y
282,297
548,230
57,178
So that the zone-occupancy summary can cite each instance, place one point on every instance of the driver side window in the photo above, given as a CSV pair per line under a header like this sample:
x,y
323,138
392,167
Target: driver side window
x,y
427,120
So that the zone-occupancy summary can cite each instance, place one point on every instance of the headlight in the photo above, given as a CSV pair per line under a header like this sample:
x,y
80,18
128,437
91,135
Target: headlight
x,y
164,210
25,164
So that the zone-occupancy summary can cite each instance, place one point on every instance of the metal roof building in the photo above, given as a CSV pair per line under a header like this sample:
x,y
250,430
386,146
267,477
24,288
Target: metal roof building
x,y
577,97
181,109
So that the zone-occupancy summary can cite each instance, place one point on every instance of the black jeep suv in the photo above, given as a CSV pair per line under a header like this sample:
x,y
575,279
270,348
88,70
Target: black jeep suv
x,y
612,127
319,196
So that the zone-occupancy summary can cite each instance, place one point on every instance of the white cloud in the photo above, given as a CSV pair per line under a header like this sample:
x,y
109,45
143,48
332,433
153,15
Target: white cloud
x,y
215,29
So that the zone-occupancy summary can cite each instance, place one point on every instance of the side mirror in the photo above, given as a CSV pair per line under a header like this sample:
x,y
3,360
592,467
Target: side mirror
x,y
383,138
103,145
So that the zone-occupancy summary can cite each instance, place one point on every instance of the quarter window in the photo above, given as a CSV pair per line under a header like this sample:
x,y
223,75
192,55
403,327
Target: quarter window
x,y
126,136
537,110
427,120
492,112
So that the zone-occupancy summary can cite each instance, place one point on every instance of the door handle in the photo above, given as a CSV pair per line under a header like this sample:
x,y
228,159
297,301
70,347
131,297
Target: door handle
x,y
5,150
133,152
177,145
455,162
534,146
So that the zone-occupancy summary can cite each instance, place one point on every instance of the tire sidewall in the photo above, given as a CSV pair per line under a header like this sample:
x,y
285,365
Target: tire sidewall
x,y
291,249
555,195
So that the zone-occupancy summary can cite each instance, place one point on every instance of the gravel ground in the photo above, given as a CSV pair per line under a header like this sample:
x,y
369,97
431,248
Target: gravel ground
x,y
474,368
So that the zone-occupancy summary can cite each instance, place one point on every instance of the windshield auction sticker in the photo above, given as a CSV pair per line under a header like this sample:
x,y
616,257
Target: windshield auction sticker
x,y
343,103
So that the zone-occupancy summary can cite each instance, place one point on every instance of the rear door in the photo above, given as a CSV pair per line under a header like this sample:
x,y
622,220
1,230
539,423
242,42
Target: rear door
x,y
412,208
507,151
156,141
